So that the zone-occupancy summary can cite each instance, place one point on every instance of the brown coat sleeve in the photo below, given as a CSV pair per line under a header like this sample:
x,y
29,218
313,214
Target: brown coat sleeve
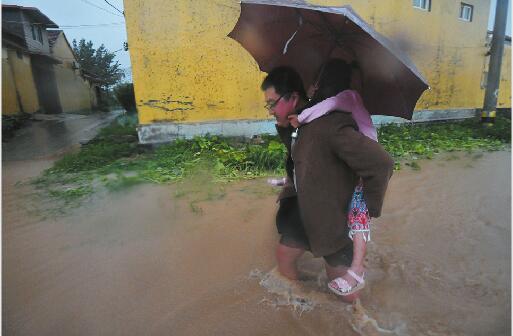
x,y
288,189
368,159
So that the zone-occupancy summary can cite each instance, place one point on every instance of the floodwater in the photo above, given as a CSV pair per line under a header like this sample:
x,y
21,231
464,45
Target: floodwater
x,y
197,259
52,134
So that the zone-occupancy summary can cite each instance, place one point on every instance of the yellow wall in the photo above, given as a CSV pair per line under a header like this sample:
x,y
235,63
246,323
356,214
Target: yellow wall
x,y
9,100
185,68
73,89
504,99
21,72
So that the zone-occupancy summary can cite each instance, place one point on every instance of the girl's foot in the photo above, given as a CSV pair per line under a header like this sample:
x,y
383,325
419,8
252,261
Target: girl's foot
x,y
349,283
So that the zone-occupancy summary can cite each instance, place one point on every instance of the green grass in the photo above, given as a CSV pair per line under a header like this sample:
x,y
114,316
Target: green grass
x,y
115,160
423,141
122,182
70,194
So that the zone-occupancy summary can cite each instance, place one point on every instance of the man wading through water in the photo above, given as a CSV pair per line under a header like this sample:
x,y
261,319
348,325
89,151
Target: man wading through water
x,y
325,159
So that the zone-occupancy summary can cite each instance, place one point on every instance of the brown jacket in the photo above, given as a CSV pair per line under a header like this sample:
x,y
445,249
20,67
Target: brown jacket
x,y
328,157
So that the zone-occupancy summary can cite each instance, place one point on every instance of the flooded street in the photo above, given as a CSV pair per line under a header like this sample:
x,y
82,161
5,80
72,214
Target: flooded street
x,y
198,259
50,134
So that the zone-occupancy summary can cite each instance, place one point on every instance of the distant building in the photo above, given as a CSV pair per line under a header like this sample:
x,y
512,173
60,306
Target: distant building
x,y
190,78
39,70
77,89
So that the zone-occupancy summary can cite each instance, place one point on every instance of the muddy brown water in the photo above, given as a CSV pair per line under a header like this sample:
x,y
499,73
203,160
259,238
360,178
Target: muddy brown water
x,y
197,259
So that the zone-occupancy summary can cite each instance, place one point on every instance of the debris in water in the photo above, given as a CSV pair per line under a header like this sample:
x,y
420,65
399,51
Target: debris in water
x,y
363,324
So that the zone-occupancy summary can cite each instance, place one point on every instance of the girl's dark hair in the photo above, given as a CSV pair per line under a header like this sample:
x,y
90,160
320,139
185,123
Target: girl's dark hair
x,y
285,81
334,77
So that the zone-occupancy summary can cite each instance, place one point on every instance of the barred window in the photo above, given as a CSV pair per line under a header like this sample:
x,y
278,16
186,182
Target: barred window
x,y
40,34
466,12
422,4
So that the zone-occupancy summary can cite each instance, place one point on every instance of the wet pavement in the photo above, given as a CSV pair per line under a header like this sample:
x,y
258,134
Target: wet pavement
x,y
48,135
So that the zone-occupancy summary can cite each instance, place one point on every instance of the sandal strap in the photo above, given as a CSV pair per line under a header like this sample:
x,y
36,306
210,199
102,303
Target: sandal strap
x,y
342,284
355,276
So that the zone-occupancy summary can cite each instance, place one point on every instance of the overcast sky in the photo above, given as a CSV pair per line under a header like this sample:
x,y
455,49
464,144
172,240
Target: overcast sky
x,y
108,25
492,17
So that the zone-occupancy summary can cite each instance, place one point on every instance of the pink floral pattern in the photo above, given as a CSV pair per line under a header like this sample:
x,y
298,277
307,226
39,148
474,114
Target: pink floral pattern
x,y
358,218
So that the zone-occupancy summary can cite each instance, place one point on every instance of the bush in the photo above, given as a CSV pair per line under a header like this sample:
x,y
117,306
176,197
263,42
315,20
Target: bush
x,y
126,96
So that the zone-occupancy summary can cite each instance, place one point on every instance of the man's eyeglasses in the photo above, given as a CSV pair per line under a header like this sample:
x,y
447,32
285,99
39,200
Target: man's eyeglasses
x,y
272,104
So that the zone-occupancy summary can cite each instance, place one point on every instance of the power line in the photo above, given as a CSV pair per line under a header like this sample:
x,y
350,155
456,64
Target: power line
x,y
114,7
101,8
96,6
68,26
94,25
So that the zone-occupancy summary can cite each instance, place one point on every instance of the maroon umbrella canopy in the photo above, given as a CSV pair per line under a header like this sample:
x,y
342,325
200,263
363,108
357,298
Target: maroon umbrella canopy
x,y
304,36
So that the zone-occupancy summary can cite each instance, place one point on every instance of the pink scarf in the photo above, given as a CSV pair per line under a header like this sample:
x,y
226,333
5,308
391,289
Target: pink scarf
x,y
349,101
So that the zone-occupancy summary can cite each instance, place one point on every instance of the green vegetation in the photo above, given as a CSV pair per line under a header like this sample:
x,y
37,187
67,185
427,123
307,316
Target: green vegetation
x,y
125,95
114,159
423,141
70,194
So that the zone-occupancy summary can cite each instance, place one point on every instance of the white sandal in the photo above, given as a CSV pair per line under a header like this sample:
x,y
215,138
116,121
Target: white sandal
x,y
341,287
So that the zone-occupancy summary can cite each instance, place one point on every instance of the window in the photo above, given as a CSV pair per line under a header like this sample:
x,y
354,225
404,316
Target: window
x,y
37,32
422,4
33,28
40,34
466,12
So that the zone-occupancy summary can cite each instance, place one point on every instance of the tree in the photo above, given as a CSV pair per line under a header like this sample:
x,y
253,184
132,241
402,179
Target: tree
x,y
126,97
98,63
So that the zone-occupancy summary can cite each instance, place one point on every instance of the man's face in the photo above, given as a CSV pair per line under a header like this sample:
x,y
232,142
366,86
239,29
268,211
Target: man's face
x,y
279,106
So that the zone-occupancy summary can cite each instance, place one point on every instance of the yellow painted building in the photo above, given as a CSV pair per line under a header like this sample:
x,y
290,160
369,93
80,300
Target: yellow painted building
x,y
191,78
504,99
39,70
19,92
74,90
10,101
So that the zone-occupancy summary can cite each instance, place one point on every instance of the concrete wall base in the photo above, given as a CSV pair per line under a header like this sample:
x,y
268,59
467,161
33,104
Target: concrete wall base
x,y
167,132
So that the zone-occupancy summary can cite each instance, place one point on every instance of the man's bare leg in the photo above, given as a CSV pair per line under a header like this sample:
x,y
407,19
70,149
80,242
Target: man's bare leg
x,y
287,260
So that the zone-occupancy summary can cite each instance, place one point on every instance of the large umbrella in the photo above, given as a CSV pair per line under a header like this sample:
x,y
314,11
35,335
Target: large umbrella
x,y
294,33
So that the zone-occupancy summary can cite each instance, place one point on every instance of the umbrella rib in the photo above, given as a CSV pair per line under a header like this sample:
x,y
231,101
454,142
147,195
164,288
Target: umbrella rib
x,y
337,36
329,27
293,35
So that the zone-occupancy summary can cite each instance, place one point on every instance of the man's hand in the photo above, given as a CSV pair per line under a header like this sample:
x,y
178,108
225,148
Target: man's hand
x,y
293,120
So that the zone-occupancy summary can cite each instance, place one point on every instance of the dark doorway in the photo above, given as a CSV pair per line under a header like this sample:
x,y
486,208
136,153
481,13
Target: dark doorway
x,y
98,92
46,85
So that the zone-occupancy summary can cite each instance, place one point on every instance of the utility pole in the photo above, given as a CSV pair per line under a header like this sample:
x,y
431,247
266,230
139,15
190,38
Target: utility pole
x,y
494,68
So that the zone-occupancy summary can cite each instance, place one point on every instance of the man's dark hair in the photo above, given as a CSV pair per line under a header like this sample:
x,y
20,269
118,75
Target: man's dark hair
x,y
285,81
334,77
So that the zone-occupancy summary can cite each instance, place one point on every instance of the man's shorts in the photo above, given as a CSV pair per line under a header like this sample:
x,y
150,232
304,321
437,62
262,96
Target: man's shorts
x,y
290,226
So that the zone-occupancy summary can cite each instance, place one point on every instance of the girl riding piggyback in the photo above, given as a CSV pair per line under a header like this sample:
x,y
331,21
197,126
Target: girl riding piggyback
x,y
339,81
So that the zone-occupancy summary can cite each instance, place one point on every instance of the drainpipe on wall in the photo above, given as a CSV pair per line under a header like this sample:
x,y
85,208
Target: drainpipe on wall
x,y
494,70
